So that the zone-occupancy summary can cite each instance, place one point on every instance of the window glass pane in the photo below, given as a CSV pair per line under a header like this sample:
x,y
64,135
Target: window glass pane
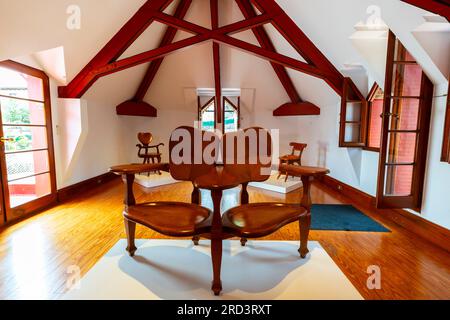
x,y
398,180
28,189
353,112
406,114
208,118
401,147
21,165
22,112
25,138
16,84
228,107
407,80
375,121
352,132
231,121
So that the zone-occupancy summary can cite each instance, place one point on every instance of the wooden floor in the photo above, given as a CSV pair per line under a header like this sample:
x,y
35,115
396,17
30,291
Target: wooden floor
x,y
35,254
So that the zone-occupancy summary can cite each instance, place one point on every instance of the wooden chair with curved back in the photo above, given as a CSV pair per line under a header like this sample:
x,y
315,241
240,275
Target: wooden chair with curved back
x,y
145,149
294,158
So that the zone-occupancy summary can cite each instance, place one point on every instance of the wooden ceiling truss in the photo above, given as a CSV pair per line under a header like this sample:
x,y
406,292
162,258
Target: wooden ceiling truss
x,y
107,60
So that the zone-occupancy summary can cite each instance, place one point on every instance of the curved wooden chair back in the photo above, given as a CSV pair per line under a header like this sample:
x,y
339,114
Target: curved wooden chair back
x,y
249,152
299,147
192,153
145,138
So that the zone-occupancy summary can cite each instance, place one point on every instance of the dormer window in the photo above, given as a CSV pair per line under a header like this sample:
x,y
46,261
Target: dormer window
x,y
207,111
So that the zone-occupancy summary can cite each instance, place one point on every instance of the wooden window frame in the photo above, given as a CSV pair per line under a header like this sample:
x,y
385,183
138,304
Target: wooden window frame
x,y
414,200
40,203
445,157
236,107
352,95
369,99
203,106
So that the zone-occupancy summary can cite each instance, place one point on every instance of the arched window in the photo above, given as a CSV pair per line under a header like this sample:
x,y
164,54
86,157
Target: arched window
x,y
231,114
375,102
207,114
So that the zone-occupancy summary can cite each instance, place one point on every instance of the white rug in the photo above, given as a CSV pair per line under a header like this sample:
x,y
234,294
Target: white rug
x,y
155,180
279,185
177,270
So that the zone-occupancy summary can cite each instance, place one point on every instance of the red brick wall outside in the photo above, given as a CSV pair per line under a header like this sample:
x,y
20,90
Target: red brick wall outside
x,y
22,189
376,108
406,142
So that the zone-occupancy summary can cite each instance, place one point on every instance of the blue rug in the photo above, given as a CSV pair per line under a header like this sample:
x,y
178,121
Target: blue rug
x,y
342,218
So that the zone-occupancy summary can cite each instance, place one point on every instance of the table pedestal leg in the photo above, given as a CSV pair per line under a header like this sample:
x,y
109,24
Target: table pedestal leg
x,y
305,224
195,199
130,229
216,242
305,220
216,254
244,200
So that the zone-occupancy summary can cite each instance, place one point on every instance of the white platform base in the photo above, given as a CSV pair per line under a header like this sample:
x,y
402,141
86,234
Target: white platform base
x,y
154,180
177,270
278,185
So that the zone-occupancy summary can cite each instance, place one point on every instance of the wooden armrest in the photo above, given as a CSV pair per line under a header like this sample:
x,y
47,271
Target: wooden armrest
x,y
129,170
298,171
138,168
157,145
148,147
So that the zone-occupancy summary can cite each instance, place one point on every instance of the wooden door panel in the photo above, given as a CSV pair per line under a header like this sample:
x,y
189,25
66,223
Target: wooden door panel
x,y
405,130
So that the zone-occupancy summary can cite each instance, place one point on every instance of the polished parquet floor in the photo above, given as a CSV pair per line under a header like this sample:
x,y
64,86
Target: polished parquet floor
x,y
36,254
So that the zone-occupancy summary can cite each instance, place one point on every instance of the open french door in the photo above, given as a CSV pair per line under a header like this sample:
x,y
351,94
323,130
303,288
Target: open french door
x,y
27,168
406,117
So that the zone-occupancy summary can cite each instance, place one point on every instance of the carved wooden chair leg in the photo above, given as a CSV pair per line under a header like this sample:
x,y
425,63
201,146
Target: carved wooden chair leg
x,y
279,170
245,198
244,241
195,196
195,199
279,174
216,256
130,229
159,161
305,224
196,240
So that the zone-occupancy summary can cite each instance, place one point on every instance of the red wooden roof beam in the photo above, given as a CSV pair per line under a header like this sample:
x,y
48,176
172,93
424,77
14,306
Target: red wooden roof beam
x,y
137,106
441,7
214,5
297,106
114,48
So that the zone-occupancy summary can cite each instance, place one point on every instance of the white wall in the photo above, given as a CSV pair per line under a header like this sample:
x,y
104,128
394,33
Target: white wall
x,y
436,205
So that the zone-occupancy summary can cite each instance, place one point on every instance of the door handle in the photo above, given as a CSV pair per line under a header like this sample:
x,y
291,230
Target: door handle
x,y
390,115
3,139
